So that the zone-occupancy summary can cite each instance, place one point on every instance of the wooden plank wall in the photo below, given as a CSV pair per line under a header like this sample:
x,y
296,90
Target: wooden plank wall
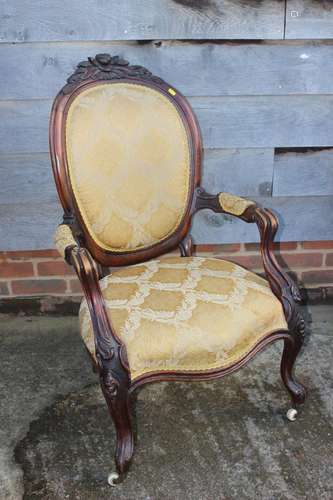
x,y
258,74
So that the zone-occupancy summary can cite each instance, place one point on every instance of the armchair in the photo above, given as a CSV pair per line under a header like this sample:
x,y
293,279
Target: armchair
x,y
126,156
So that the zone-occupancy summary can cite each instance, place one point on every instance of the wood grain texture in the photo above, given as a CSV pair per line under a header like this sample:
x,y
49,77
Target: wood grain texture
x,y
24,126
140,20
306,173
28,226
247,172
233,69
275,121
27,179
226,122
309,19
299,218
29,205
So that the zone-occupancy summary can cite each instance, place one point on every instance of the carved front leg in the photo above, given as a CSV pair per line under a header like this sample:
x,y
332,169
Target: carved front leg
x,y
111,359
287,292
115,383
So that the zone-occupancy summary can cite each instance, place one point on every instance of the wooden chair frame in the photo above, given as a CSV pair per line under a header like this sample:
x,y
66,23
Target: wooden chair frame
x,y
91,262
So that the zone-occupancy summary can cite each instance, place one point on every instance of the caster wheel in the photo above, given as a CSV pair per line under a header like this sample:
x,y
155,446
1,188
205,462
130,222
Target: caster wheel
x,y
112,478
292,414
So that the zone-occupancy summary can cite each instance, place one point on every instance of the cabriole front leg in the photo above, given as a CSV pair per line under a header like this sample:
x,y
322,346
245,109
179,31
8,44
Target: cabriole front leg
x,y
111,358
115,390
292,347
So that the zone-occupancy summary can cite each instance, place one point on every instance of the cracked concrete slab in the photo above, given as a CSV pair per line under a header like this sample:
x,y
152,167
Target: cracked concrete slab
x,y
223,439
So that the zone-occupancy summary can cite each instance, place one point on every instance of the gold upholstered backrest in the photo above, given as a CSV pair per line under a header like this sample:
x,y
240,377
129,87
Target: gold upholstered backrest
x,y
129,164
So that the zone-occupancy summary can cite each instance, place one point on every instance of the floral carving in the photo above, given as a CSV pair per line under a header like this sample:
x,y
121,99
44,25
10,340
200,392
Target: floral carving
x,y
106,67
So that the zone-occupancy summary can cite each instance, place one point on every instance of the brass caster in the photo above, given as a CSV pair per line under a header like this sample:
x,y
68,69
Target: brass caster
x,y
292,414
112,478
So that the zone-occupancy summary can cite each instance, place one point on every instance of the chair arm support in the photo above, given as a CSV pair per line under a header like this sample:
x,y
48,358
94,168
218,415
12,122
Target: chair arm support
x,y
281,284
110,352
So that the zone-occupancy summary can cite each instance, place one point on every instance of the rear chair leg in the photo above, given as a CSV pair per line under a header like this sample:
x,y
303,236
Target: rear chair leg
x,y
292,346
118,400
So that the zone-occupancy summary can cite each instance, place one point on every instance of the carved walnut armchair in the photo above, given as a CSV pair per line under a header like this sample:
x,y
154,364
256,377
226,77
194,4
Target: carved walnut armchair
x,y
126,155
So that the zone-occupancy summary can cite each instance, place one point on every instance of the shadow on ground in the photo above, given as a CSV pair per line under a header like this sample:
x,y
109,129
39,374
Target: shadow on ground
x,y
223,439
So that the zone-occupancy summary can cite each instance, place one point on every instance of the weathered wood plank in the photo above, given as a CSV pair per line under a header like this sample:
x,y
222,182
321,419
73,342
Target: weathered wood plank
x,y
304,173
226,122
27,178
301,218
208,69
275,121
139,20
309,19
29,206
24,126
30,226
247,172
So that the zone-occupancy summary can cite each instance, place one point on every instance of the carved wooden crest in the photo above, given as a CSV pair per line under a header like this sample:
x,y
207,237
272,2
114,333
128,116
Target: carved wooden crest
x,y
107,67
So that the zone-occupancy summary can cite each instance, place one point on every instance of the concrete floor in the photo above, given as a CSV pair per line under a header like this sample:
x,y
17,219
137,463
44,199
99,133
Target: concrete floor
x,y
226,439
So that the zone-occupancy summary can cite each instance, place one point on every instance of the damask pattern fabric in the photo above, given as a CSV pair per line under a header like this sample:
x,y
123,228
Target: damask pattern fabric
x,y
63,238
186,313
129,164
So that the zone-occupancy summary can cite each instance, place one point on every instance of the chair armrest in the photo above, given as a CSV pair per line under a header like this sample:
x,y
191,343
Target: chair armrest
x,y
64,241
280,282
234,205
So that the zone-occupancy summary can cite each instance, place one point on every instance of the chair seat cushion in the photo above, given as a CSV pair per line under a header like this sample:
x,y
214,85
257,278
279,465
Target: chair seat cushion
x,y
186,313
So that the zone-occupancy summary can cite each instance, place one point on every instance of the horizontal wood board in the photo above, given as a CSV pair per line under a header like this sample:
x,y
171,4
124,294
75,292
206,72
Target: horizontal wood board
x,y
309,19
305,173
257,68
37,20
226,122
31,225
